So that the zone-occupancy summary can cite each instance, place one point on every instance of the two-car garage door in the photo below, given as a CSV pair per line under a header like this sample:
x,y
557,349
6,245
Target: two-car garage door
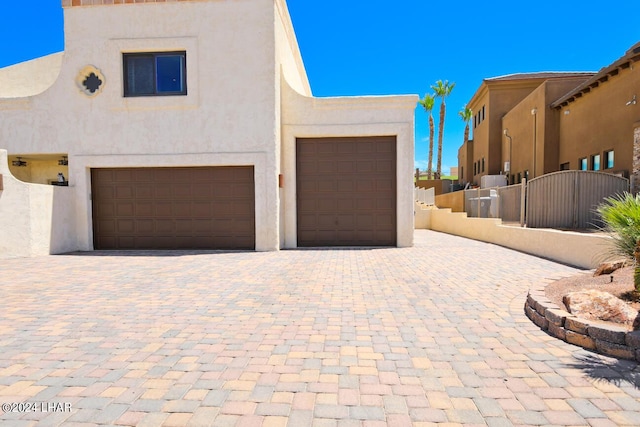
x,y
345,194
173,208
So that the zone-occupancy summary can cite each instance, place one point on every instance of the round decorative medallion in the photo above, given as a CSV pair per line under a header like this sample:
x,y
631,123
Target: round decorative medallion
x,y
90,80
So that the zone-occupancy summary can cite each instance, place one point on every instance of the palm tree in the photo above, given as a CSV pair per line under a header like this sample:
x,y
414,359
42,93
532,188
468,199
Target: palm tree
x,y
428,102
442,90
466,114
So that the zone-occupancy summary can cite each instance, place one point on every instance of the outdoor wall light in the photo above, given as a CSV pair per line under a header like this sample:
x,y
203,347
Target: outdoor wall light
x,y
19,162
632,102
64,161
534,111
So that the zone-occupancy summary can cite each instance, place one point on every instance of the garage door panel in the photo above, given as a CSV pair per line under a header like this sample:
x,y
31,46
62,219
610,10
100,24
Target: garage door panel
x,y
365,222
181,191
104,193
345,186
106,210
326,204
121,175
385,166
125,226
327,186
144,226
201,210
362,208
223,192
366,166
242,208
345,205
181,210
163,209
174,208
144,191
124,192
366,147
223,209
202,225
125,242
144,209
106,226
183,226
202,191
326,167
125,208
308,186
365,204
364,186
346,167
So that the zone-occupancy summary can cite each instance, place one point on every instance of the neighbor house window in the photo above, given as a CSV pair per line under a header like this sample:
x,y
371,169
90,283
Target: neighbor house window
x,y
583,164
483,164
608,159
565,166
595,162
153,74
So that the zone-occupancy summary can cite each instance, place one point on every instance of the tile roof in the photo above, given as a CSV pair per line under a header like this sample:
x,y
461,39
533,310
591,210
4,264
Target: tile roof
x,y
540,75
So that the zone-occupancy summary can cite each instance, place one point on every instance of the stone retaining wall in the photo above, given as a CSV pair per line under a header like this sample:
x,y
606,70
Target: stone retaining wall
x,y
606,339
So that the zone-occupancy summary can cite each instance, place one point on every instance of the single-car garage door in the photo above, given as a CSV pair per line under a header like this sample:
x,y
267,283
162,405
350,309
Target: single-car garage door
x,y
173,208
346,191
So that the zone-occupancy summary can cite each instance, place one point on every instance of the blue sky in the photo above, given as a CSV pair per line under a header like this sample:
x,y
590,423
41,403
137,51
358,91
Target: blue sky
x,y
380,47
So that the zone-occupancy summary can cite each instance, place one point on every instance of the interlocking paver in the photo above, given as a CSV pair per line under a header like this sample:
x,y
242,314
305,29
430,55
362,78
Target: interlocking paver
x,y
316,337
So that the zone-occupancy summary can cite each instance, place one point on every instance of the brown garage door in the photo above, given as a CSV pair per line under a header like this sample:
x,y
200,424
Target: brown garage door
x,y
346,191
173,208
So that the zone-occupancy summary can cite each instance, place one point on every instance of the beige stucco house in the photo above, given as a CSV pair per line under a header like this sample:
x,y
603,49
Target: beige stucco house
x,y
545,122
191,124
493,100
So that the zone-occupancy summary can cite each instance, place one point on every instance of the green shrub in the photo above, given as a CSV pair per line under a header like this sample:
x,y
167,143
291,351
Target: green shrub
x,y
621,216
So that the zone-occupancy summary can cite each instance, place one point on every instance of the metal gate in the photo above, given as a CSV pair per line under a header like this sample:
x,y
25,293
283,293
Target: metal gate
x,y
568,199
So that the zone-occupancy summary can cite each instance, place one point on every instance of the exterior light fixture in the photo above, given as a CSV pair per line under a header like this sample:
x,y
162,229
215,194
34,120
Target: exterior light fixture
x,y
19,162
64,161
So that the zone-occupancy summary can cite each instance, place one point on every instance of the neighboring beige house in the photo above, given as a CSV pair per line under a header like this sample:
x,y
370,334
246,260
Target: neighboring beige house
x,y
546,122
192,124
494,98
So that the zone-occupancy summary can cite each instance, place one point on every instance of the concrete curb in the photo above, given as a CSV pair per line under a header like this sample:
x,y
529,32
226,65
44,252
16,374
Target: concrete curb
x,y
609,340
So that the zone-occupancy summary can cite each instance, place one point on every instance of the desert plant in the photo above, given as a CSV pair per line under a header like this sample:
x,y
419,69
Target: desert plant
x,y
621,217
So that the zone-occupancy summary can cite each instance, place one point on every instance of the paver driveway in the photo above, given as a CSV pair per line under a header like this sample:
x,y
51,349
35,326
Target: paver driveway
x,y
351,337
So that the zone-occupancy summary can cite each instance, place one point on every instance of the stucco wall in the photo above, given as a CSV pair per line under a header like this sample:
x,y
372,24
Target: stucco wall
x,y
36,219
521,122
600,120
584,250
453,201
305,117
18,80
